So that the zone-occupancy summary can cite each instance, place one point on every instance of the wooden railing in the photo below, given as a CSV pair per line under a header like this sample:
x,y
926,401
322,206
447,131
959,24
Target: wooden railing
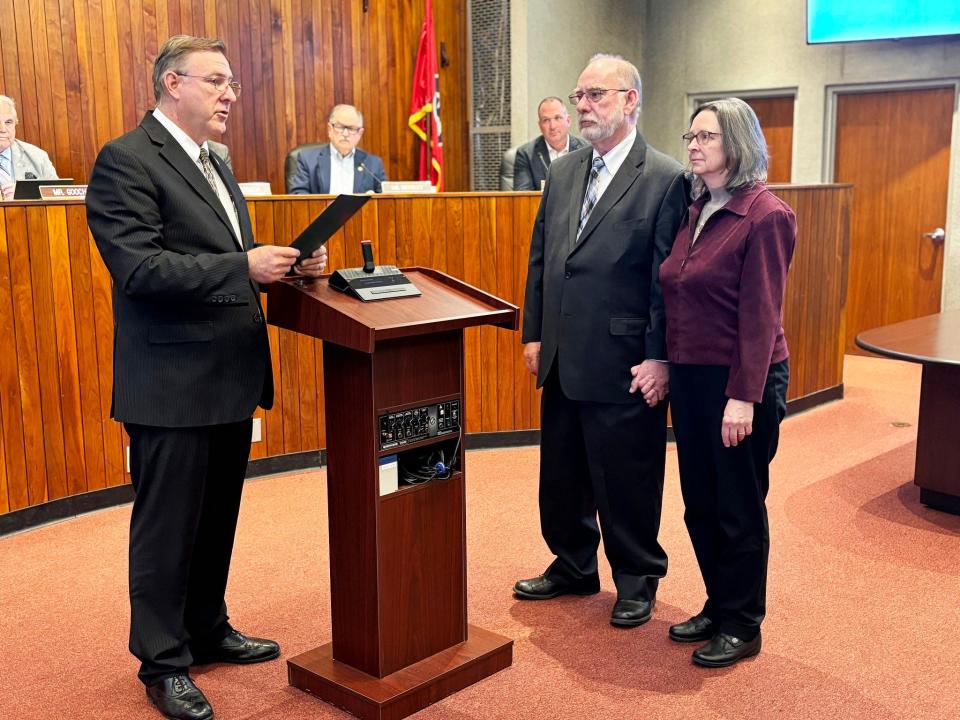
x,y
55,317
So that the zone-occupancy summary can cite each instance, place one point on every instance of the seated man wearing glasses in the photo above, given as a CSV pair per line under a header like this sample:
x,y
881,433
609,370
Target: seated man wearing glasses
x,y
339,166
19,160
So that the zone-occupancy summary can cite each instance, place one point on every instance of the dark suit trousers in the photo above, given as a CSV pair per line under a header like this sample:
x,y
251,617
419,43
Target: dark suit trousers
x,y
725,489
606,459
188,483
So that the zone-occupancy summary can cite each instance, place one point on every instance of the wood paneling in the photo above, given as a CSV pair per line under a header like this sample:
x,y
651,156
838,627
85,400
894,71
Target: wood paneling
x,y
81,74
895,149
776,120
55,313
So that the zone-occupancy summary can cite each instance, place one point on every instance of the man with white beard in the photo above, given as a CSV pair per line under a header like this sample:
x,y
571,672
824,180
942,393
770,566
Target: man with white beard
x,y
592,322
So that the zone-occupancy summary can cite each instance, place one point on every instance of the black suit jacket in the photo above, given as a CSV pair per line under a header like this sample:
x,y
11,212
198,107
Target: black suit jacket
x,y
596,304
533,161
190,343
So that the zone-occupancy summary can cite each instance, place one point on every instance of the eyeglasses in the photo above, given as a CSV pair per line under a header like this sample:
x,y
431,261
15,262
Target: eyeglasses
x,y
218,81
345,129
594,95
704,137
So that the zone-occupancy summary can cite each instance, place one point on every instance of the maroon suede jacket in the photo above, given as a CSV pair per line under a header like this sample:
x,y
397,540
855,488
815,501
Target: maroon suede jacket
x,y
723,295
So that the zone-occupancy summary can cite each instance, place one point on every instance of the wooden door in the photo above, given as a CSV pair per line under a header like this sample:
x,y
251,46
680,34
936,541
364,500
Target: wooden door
x,y
776,120
895,149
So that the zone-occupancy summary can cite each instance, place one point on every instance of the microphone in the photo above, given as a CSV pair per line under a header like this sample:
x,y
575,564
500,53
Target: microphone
x,y
29,176
366,247
377,187
543,160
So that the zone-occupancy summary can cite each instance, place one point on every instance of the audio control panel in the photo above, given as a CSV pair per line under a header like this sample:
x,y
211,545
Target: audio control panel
x,y
409,426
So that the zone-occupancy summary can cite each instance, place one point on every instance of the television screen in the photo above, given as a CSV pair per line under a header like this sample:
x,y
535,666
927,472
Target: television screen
x,y
830,21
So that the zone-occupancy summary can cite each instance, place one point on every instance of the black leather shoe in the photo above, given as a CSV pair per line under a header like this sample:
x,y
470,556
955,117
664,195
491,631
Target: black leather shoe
x,y
724,650
696,629
630,613
237,648
179,699
543,588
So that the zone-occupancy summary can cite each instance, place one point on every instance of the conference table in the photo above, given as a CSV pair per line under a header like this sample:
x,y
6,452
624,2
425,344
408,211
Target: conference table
x,y
934,342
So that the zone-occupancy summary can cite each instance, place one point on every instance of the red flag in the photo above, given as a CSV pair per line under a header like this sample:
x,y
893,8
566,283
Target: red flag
x,y
425,104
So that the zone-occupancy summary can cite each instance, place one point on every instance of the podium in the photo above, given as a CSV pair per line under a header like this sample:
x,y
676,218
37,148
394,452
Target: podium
x,y
398,580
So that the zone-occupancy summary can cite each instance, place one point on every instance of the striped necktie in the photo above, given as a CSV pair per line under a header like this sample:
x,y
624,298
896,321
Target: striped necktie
x,y
208,170
6,171
593,192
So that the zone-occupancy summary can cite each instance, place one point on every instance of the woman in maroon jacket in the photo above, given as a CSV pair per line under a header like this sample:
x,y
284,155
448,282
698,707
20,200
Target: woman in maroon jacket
x,y
723,287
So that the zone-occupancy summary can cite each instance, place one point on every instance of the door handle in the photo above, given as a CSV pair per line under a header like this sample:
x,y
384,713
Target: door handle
x,y
937,237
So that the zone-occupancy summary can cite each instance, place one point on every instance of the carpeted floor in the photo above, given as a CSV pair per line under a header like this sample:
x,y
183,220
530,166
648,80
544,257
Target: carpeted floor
x,y
863,595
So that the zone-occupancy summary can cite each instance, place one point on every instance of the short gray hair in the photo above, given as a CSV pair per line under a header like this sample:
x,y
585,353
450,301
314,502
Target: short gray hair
x,y
174,50
744,146
551,98
4,100
342,106
627,75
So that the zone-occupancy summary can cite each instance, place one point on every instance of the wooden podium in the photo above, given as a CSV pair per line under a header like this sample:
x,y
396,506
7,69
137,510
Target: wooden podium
x,y
398,581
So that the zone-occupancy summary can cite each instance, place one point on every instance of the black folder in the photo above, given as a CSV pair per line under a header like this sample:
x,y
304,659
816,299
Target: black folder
x,y
327,223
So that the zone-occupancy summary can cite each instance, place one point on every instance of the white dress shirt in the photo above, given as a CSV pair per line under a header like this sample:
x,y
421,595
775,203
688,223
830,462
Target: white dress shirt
x,y
341,172
193,151
554,154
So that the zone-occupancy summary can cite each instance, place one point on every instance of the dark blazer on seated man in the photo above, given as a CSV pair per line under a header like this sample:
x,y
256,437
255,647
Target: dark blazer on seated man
x,y
340,166
313,172
533,161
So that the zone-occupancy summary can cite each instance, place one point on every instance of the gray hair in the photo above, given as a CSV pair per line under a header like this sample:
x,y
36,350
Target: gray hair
x,y
627,75
174,50
8,101
342,106
744,146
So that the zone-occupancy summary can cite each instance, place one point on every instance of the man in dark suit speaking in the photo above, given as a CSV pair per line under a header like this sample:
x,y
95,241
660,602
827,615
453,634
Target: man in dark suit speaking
x,y
339,166
592,321
191,363
534,158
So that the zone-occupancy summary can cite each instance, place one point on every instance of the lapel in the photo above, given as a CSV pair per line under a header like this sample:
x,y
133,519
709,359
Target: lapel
x,y
629,171
323,169
173,153
543,154
578,189
358,175
239,202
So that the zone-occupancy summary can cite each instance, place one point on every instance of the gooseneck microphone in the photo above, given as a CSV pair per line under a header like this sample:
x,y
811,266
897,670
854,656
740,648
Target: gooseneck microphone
x,y
29,176
377,185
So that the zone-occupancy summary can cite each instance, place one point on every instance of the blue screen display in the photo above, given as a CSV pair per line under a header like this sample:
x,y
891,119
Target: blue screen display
x,y
849,20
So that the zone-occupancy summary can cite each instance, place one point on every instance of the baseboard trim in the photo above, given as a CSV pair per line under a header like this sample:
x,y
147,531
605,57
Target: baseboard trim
x,y
67,507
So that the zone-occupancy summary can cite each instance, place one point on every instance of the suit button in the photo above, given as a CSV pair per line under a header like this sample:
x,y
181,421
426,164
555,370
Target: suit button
x,y
256,318
567,275
233,298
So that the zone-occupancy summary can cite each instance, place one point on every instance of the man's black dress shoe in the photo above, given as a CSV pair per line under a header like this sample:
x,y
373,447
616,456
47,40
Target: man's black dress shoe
x,y
179,699
543,588
696,629
724,650
630,613
237,648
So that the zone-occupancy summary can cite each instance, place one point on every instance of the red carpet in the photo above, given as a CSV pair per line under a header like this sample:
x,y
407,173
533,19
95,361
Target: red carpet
x,y
863,595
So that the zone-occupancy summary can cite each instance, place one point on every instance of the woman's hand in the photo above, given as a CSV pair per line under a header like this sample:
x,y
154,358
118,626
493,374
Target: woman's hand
x,y
737,422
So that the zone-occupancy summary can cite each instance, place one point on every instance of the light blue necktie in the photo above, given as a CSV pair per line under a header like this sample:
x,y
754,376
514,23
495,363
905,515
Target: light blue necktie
x,y
590,198
6,166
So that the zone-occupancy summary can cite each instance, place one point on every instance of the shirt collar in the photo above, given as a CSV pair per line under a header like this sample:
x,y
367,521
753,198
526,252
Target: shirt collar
x,y
335,154
618,153
740,200
184,140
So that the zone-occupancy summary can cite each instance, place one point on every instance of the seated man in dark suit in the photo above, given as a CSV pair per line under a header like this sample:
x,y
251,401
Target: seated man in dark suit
x,y
534,158
340,166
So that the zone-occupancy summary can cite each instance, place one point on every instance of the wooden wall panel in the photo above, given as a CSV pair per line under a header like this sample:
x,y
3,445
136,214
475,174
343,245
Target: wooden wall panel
x,y
776,119
55,311
80,71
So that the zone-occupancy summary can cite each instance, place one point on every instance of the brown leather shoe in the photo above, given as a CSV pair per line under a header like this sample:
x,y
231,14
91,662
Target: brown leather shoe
x,y
237,648
177,698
